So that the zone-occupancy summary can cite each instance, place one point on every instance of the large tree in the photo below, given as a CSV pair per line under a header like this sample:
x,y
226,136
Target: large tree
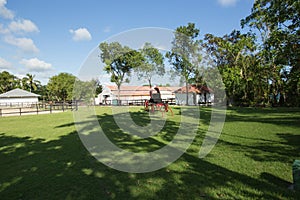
x,y
185,55
153,63
60,87
8,81
279,25
29,83
86,90
42,90
119,62
234,56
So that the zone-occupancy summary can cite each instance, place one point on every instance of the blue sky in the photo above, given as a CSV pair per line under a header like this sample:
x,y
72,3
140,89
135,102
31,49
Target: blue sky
x,y
45,38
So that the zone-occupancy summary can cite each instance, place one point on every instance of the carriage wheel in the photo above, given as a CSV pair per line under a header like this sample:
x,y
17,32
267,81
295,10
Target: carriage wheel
x,y
162,108
167,108
146,105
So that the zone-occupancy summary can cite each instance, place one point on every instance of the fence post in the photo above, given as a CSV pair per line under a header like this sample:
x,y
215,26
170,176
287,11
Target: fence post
x,y
50,108
37,109
20,109
0,112
62,106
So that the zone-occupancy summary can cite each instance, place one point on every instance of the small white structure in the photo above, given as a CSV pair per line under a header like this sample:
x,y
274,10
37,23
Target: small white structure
x,y
196,95
18,97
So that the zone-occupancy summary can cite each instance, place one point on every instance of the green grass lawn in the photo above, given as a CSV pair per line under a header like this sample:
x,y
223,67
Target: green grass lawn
x,y
42,157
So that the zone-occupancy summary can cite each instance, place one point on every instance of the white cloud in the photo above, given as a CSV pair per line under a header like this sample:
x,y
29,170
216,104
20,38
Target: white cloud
x,y
107,29
81,34
23,25
227,3
4,12
36,65
3,30
25,44
4,64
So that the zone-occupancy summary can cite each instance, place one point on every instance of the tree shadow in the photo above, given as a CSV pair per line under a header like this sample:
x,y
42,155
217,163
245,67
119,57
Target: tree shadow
x,y
274,180
267,150
64,169
277,116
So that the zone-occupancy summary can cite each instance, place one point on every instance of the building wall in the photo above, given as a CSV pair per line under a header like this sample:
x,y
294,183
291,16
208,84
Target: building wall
x,y
112,96
209,98
180,99
18,101
194,99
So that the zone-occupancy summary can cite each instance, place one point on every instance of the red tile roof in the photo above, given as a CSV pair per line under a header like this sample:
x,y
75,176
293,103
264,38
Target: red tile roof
x,y
126,90
194,89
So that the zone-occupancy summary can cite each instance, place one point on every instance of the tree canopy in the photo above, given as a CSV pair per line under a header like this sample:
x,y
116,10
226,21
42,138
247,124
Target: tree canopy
x,y
258,66
8,82
119,61
185,55
30,83
153,63
278,23
61,87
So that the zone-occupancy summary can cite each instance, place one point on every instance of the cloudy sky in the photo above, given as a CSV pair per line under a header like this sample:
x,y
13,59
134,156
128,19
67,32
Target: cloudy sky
x,y
45,38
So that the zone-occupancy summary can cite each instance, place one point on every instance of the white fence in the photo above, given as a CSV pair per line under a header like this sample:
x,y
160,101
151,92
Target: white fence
x,y
39,108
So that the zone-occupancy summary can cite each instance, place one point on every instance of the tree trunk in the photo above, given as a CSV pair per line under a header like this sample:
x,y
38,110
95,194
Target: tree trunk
x,y
149,81
187,92
119,91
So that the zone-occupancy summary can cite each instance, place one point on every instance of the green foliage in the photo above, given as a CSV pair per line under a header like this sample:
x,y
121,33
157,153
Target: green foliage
x,y
60,87
245,164
279,25
234,56
86,90
152,63
8,82
98,86
29,83
119,61
42,90
256,67
185,55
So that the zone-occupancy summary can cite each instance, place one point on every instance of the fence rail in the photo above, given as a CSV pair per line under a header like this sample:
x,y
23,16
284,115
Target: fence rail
x,y
36,109
137,102
40,108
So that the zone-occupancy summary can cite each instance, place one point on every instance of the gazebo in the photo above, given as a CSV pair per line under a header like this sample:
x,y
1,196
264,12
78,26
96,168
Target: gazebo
x,y
18,97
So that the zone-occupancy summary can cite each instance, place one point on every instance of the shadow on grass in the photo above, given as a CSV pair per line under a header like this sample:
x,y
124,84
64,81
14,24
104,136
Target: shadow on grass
x,y
64,169
277,116
285,150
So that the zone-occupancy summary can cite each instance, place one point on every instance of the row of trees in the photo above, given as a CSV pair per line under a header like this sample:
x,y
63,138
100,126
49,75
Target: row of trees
x,y
261,66
148,61
9,81
258,67
59,88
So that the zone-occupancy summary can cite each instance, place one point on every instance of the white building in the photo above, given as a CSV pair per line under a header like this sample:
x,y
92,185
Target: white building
x,y
18,97
196,95
132,94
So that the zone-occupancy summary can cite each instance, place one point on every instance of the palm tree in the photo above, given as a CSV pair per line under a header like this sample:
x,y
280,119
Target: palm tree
x,y
7,81
30,83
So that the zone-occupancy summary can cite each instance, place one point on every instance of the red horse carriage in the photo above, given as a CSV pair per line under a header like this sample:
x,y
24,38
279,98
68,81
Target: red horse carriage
x,y
156,104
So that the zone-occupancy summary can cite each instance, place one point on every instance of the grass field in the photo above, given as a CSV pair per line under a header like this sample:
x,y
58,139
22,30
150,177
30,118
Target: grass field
x,y
42,157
